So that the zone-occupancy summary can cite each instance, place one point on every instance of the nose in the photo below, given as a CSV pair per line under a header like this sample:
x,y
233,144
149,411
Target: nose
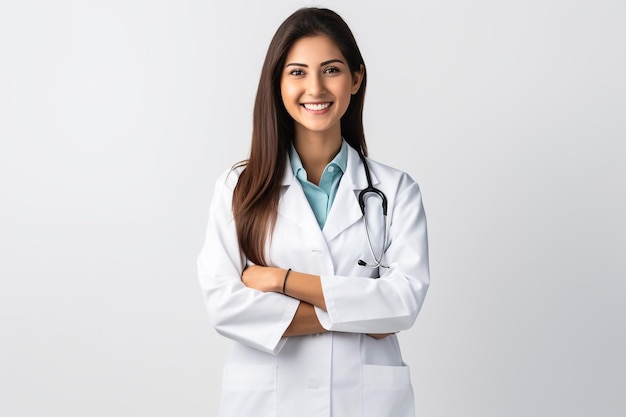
x,y
315,86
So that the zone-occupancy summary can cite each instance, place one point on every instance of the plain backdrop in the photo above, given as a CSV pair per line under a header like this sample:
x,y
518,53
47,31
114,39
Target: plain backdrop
x,y
117,116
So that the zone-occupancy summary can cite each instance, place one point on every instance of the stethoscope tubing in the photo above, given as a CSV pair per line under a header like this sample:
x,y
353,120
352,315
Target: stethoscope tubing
x,y
378,259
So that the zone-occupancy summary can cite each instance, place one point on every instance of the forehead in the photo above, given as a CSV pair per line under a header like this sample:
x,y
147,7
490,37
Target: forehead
x,y
313,49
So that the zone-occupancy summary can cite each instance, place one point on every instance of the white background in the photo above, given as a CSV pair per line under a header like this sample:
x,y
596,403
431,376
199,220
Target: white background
x,y
117,116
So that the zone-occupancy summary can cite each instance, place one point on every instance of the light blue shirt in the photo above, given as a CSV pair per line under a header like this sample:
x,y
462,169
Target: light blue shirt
x,y
321,197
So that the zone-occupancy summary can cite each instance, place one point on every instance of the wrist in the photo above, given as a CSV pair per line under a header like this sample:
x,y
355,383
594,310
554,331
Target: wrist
x,y
279,280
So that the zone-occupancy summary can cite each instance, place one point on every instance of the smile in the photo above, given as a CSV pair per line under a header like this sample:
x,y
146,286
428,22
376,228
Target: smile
x,y
316,106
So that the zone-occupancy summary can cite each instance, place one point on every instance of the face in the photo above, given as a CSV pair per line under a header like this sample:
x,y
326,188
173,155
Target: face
x,y
316,86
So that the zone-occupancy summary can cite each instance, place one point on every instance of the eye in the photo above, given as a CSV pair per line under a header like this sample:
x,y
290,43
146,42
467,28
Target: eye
x,y
331,70
296,72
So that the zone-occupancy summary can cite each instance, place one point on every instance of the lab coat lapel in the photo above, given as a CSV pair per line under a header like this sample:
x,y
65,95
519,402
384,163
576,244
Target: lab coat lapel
x,y
345,210
293,204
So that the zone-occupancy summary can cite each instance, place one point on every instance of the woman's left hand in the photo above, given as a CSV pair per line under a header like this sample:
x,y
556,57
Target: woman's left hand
x,y
263,278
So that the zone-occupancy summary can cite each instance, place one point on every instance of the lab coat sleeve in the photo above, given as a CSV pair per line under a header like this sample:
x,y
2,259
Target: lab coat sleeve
x,y
388,304
246,315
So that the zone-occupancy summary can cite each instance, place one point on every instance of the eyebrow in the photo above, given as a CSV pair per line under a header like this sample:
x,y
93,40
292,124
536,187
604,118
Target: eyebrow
x,y
330,61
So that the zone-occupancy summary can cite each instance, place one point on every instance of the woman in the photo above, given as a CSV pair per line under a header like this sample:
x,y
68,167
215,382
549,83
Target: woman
x,y
311,298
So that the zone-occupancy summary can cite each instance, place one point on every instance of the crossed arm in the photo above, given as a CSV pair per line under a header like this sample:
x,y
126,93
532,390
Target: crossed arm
x,y
305,287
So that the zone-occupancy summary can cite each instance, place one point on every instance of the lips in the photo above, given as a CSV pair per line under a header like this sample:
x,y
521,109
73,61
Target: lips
x,y
316,106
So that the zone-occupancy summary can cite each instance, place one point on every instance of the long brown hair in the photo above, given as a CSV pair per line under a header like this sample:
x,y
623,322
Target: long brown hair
x,y
255,198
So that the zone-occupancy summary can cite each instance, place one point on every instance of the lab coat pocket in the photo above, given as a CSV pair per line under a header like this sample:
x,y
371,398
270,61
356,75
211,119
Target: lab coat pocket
x,y
386,391
248,390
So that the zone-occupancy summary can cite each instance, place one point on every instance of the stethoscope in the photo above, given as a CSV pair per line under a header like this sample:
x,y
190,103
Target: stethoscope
x,y
378,259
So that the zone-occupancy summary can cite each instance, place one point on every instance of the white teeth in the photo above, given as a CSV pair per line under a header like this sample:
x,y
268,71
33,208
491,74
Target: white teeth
x,y
317,106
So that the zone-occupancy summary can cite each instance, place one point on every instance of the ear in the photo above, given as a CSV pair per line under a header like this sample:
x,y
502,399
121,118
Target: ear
x,y
357,77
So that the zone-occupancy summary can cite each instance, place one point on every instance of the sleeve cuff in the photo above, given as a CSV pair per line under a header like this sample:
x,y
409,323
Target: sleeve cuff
x,y
277,340
323,317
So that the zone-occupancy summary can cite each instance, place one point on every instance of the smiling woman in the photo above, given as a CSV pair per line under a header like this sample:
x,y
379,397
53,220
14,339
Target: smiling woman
x,y
282,271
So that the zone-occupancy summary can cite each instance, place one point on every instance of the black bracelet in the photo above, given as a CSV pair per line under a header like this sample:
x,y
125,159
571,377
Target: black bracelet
x,y
285,279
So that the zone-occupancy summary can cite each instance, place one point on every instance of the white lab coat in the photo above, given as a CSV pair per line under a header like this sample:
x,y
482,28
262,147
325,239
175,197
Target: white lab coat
x,y
342,373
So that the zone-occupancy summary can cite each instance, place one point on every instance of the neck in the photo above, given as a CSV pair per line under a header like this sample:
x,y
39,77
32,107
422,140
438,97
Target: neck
x,y
316,150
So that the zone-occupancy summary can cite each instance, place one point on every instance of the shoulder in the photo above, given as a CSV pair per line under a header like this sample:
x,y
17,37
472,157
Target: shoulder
x,y
388,175
228,179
